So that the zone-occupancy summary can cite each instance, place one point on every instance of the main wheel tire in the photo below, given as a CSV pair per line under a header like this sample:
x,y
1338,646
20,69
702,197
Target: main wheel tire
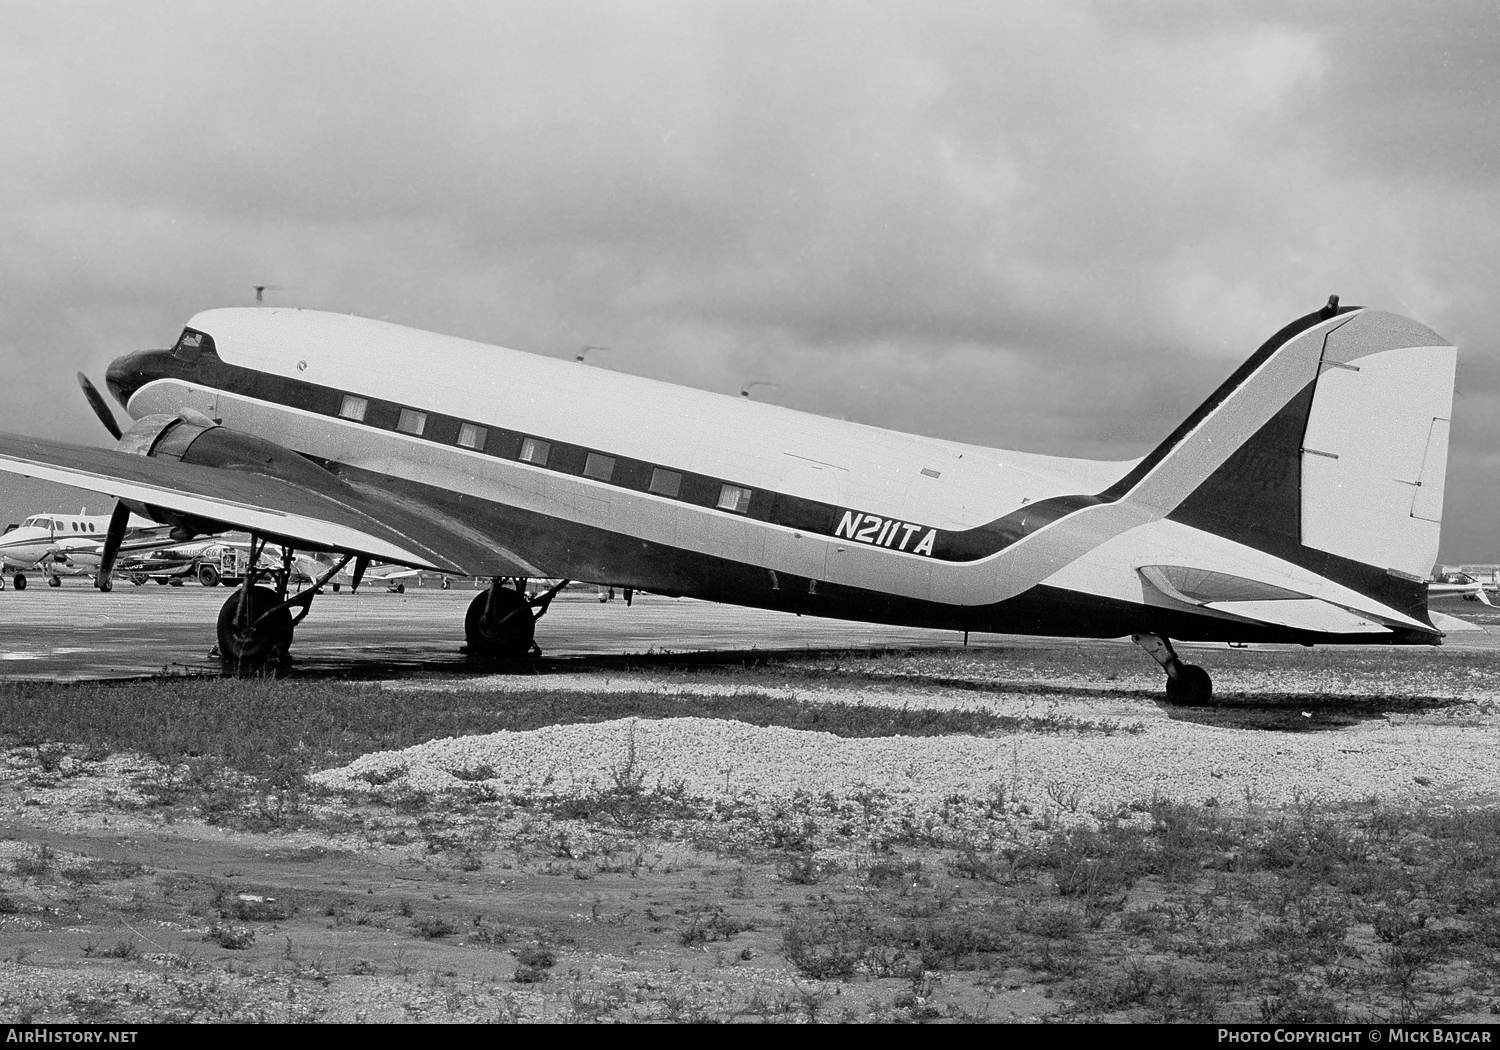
x,y
54,581
1191,688
160,580
208,575
264,642
20,582
509,634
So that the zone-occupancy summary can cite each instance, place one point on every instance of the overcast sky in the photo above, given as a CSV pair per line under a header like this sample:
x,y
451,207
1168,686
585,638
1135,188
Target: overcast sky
x,y
1052,226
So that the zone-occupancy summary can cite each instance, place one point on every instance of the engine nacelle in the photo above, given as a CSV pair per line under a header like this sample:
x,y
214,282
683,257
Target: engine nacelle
x,y
195,439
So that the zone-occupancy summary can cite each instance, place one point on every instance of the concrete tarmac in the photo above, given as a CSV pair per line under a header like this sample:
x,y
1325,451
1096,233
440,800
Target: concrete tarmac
x,y
75,633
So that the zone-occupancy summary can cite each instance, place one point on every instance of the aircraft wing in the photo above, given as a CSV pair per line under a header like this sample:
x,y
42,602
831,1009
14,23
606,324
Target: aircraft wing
x,y
283,511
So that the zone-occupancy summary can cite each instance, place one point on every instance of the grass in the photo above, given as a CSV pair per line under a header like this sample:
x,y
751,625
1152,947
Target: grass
x,y
265,727
1373,915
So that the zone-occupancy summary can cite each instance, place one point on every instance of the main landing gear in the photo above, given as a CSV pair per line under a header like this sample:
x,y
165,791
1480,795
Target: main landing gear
x,y
256,622
501,621
1188,685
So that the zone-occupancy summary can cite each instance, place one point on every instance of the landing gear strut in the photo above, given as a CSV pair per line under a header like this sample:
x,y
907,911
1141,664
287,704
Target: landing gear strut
x,y
501,622
1188,685
256,622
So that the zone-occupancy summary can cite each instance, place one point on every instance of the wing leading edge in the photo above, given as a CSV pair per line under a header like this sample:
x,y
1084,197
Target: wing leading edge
x,y
280,510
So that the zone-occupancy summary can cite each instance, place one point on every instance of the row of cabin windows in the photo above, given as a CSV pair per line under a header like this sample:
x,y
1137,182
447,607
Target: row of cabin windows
x,y
535,451
53,524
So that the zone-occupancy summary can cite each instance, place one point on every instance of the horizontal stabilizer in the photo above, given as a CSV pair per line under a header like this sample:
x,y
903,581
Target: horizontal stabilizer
x,y
1247,599
1307,614
1449,624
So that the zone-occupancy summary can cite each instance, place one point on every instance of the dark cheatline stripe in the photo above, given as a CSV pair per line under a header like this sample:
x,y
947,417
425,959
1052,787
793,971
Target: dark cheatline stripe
x,y
663,569
1240,374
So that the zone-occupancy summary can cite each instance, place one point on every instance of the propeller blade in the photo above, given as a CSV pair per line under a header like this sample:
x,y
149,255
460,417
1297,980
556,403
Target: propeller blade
x,y
100,406
112,540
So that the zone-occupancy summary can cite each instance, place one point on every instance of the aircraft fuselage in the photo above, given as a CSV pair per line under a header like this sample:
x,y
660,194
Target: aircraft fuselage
x,y
578,472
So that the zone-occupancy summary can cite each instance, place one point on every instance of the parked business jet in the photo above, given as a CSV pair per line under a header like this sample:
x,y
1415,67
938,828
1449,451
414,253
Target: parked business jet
x,y
1300,502
58,545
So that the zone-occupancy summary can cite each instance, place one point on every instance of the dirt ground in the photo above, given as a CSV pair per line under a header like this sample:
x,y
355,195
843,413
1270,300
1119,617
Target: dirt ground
x,y
134,889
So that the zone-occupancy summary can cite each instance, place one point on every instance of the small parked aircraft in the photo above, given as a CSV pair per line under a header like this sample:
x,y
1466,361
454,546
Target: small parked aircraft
x,y
1461,585
1301,502
58,545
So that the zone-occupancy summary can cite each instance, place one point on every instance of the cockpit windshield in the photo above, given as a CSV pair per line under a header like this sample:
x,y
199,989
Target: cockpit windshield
x,y
193,344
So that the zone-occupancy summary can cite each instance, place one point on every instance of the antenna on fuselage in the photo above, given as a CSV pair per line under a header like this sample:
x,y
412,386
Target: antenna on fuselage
x,y
262,289
745,390
584,351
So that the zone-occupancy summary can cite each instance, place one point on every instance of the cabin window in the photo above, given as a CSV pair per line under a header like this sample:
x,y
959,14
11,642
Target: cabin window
x,y
412,422
665,482
600,468
470,436
535,450
732,497
353,407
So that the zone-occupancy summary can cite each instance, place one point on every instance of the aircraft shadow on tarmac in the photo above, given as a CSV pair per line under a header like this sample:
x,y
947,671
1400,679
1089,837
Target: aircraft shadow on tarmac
x,y
1286,712
1303,712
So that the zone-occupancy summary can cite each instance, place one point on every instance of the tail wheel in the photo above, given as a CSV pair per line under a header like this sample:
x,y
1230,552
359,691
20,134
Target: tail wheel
x,y
507,633
208,575
1191,688
54,581
254,641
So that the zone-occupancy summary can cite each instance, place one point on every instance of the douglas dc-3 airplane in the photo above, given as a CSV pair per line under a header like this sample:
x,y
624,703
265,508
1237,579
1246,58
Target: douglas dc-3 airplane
x,y
1300,503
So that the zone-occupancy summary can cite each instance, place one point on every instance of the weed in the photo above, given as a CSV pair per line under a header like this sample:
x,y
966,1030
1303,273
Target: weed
x,y
472,774
709,924
829,944
120,950
433,927
537,958
36,863
252,908
236,938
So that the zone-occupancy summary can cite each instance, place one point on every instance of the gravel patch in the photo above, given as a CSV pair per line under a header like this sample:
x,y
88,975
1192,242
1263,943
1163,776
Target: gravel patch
x,y
724,760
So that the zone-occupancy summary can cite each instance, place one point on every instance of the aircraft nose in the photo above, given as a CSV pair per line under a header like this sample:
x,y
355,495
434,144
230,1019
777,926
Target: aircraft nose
x,y
125,376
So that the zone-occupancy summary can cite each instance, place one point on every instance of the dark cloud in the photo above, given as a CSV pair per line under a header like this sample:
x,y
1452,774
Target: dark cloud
x,y
1053,225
